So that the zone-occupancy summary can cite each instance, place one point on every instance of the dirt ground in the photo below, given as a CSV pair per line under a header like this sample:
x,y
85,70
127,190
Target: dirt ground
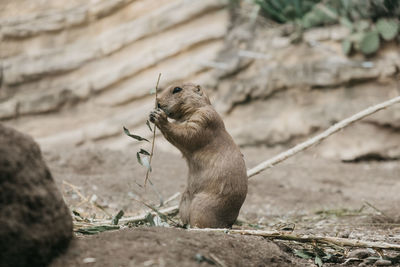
x,y
317,196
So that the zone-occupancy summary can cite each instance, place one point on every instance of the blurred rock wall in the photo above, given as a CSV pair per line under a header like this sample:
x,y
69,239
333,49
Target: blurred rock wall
x,y
74,72
277,89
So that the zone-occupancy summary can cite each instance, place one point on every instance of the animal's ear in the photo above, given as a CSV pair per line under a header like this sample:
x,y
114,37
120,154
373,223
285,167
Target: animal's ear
x,y
198,90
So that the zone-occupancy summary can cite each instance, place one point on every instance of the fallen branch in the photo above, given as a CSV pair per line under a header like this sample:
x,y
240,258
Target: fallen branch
x,y
342,242
316,139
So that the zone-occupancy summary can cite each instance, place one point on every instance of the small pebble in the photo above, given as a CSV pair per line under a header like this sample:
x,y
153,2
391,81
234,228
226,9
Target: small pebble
x,y
359,253
89,260
382,262
93,198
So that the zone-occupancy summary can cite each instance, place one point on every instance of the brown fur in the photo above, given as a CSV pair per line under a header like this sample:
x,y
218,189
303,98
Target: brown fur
x,y
217,181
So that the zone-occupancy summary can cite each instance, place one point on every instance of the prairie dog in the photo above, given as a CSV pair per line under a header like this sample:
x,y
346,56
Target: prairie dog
x,y
217,179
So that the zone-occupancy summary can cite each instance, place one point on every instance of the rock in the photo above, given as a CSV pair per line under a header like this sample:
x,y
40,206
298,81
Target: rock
x,y
371,142
291,116
35,223
295,66
80,66
48,22
58,60
29,26
40,103
360,253
336,33
294,92
383,262
8,109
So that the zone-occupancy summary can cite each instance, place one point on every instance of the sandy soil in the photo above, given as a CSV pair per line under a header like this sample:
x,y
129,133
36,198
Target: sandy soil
x,y
316,195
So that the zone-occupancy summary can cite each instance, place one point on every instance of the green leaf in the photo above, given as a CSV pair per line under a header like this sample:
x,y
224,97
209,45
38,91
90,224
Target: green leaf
x,y
148,125
302,254
149,219
318,261
117,217
97,229
200,258
297,6
346,46
345,4
277,4
329,12
146,163
134,136
370,43
310,20
388,28
373,258
273,10
346,22
255,226
327,257
76,213
164,217
144,152
289,12
158,221
139,159
362,25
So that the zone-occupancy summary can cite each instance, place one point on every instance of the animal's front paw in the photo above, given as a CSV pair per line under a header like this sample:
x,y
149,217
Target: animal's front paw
x,y
158,117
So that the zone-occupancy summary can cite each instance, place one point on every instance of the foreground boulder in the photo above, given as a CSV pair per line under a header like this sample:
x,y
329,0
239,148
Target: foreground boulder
x,y
35,223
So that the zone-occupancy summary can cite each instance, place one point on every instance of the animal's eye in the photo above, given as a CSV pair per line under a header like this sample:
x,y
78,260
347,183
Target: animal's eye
x,y
177,90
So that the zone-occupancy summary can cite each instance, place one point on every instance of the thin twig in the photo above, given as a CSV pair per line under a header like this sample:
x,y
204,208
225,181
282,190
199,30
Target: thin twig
x,y
76,190
142,217
378,210
164,217
97,205
316,139
338,241
154,134
171,198
217,260
160,198
85,199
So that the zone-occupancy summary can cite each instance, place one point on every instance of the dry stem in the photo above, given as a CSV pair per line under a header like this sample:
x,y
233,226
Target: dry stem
x,y
341,242
316,139
142,217
154,134
378,210
171,198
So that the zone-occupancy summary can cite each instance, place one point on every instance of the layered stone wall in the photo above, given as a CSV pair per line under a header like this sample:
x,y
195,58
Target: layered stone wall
x,y
287,91
73,72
